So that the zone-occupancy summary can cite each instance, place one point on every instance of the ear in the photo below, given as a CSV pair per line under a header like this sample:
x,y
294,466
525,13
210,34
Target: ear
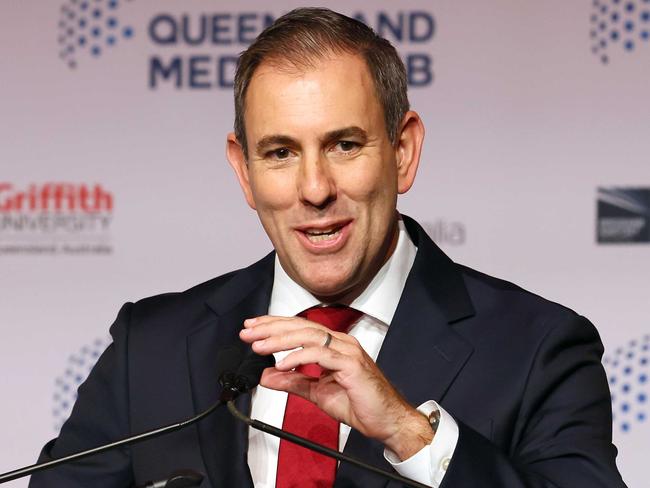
x,y
235,155
408,148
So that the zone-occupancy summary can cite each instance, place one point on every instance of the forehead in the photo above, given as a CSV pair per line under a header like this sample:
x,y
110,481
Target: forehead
x,y
337,91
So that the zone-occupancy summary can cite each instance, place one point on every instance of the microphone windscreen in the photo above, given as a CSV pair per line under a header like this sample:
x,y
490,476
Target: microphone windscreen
x,y
229,359
251,368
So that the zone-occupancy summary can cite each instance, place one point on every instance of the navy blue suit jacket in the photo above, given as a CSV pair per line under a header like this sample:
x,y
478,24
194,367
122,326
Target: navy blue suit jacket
x,y
521,375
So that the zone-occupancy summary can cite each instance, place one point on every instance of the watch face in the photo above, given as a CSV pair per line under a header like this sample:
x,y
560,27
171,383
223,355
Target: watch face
x,y
434,419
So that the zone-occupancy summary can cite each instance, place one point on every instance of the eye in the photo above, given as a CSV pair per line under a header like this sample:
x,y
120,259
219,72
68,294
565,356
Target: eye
x,y
279,154
347,146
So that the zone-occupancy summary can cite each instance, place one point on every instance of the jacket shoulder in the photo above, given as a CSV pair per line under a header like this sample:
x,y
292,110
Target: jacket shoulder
x,y
197,294
517,312
483,285
177,313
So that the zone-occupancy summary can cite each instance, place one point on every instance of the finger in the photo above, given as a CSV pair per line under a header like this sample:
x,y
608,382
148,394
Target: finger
x,y
273,326
262,319
289,381
326,358
307,337
286,340
304,386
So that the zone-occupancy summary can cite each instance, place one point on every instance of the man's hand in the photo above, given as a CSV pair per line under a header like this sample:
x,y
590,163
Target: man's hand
x,y
351,389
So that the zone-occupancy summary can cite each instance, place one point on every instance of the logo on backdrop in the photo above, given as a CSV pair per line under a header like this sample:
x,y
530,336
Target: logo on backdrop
x,y
628,373
77,369
88,28
618,26
623,215
55,218
198,51
444,232
231,32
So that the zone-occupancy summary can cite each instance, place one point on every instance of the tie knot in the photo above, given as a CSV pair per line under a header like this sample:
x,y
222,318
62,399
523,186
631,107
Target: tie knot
x,y
338,318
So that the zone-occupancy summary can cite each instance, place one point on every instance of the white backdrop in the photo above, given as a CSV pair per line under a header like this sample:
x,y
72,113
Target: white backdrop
x,y
524,124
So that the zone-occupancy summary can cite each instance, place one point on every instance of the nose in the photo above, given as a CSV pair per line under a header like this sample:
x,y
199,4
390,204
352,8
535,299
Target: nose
x,y
316,186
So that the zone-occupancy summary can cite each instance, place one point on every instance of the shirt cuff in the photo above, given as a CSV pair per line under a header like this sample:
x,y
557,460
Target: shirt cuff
x,y
429,464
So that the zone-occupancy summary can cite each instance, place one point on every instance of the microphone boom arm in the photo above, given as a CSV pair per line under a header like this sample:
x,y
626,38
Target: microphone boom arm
x,y
301,441
19,473
228,359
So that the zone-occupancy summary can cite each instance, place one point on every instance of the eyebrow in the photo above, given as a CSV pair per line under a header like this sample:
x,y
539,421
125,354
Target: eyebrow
x,y
334,135
345,133
274,140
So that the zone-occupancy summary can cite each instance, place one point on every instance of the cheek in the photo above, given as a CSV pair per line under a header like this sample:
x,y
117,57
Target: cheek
x,y
374,182
272,190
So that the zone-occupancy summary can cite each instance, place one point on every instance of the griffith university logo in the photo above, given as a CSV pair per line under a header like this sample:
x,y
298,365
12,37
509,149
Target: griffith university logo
x,y
88,28
55,218
618,26
76,371
628,372
623,215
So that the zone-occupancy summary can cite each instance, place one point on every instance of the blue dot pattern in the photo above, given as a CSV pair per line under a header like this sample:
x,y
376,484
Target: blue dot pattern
x,y
628,373
616,24
83,20
76,371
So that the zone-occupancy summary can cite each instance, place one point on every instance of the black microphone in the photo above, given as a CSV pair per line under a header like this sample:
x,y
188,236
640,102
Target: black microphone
x,y
229,360
250,370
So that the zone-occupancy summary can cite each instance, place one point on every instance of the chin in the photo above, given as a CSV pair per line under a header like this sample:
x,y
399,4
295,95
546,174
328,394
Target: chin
x,y
324,287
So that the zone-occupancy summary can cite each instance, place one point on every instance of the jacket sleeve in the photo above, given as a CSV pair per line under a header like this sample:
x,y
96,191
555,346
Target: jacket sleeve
x,y
562,437
100,415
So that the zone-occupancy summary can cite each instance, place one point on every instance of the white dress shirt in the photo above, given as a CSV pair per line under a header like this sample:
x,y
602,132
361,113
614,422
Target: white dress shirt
x,y
378,303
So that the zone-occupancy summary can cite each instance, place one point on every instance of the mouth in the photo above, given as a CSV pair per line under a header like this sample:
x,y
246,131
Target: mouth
x,y
326,237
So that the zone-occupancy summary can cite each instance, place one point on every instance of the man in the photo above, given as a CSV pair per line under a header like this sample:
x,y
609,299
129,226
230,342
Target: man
x,y
449,376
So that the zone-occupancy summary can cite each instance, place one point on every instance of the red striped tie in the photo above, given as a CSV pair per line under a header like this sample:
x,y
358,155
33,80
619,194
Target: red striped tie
x,y
299,467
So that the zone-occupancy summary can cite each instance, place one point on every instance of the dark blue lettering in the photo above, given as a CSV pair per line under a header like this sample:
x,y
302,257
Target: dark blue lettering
x,y
359,16
384,23
418,69
426,26
195,72
245,28
156,69
186,31
169,32
221,29
268,20
227,66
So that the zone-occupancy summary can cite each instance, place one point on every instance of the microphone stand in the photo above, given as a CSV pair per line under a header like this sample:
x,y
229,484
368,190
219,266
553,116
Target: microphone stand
x,y
19,473
301,441
232,380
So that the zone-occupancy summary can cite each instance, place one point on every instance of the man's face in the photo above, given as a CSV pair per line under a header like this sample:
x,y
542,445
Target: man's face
x,y
321,172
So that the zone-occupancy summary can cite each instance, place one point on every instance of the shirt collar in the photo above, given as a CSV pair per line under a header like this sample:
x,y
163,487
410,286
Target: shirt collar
x,y
379,299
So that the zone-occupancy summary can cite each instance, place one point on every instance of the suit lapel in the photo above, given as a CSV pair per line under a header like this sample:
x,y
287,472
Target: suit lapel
x,y
421,354
223,439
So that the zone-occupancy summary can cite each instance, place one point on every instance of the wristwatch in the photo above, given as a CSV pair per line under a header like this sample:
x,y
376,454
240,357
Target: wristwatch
x,y
434,419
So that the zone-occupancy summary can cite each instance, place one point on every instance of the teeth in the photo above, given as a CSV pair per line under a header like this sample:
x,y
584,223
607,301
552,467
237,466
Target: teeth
x,y
319,232
322,235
